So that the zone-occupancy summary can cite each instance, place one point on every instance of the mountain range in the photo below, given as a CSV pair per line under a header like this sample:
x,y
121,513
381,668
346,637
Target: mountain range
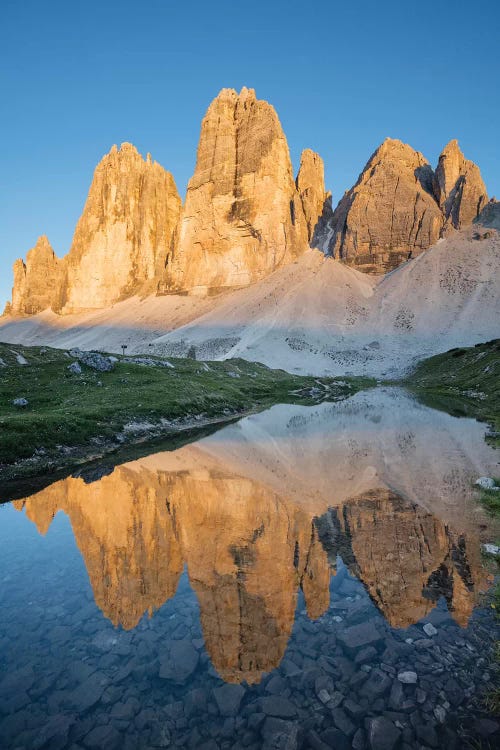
x,y
248,228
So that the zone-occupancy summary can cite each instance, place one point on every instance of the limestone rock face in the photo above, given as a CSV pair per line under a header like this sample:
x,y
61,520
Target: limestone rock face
x,y
36,282
242,217
458,187
316,202
389,212
122,239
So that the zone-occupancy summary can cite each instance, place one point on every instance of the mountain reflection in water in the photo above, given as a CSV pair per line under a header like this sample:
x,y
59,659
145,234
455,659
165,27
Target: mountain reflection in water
x,y
264,507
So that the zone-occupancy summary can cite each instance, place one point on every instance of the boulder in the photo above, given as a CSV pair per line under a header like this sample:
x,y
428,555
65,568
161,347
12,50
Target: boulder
x,y
20,402
382,734
94,360
228,698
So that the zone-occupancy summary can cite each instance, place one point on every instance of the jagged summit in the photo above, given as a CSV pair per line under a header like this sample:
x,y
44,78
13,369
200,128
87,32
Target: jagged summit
x,y
389,212
124,233
244,215
399,206
120,241
37,282
458,187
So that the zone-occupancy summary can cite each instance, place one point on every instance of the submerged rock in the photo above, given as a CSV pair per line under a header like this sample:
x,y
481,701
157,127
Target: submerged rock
x,y
408,678
228,698
180,664
382,734
429,629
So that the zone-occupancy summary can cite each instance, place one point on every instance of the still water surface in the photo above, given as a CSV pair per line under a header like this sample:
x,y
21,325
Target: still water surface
x,y
309,577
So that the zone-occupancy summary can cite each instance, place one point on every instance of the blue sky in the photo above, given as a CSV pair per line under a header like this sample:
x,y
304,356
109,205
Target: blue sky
x,y
77,77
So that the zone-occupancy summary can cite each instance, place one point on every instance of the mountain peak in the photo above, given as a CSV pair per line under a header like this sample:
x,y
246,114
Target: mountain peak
x,y
36,282
242,216
458,187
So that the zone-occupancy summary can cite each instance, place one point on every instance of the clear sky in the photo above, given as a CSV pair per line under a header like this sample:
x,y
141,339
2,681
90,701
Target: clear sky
x,y
78,76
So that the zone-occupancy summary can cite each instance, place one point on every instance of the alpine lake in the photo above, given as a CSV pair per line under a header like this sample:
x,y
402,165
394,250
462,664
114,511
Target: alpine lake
x,y
308,577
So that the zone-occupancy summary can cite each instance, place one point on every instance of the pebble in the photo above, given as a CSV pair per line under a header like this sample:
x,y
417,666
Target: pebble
x,y
429,629
408,678
440,714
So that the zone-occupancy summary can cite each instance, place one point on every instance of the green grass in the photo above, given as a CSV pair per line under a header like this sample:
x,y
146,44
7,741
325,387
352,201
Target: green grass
x,y
490,499
69,413
463,382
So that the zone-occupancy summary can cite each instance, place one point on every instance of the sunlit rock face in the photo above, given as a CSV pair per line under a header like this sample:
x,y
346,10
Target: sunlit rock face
x,y
122,239
242,217
458,187
390,212
406,557
37,281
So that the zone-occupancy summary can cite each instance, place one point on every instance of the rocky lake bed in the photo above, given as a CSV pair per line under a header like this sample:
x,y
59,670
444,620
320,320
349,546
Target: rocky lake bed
x,y
277,584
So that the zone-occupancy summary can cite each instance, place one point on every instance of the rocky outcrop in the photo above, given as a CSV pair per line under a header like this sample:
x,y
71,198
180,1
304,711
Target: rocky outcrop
x,y
399,206
390,212
316,202
242,217
122,239
458,187
36,282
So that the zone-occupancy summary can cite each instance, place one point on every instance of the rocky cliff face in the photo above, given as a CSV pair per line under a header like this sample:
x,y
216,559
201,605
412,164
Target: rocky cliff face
x,y
399,206
458,187
316,202
124,234
243,216
390,212
37,282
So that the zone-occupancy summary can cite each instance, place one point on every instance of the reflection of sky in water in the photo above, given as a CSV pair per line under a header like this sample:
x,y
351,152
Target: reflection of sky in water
x,y
308,614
